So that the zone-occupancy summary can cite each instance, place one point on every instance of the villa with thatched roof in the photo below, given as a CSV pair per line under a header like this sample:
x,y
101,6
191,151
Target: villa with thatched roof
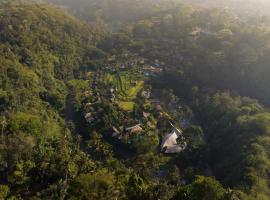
x,y
135,129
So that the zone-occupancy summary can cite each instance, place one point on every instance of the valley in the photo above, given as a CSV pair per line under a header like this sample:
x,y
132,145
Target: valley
x,y
134,100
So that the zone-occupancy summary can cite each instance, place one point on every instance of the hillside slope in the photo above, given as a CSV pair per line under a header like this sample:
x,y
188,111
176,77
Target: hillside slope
x,y
41,48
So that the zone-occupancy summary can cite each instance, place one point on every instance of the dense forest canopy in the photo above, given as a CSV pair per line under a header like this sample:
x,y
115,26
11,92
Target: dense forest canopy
x,y
126,10
117,12
145,99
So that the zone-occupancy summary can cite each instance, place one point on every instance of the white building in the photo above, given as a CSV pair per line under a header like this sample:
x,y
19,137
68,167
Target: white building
x,y
169,143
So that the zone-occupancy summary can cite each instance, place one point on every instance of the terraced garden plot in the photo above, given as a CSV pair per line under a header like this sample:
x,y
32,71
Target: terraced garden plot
x,y
128,86
126,105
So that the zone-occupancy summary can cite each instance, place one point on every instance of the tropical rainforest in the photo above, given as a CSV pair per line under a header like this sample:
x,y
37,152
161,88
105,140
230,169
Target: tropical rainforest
x,y
139,100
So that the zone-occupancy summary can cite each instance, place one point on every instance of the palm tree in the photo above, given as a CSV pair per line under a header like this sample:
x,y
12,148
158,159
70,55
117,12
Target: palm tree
x,y
3,124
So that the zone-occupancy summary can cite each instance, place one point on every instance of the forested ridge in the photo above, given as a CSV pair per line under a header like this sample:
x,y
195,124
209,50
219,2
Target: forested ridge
x,y
42,48
134,100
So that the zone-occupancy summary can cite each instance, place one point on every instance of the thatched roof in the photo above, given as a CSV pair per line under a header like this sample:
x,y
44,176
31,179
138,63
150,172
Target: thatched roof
x,y
88,117
135,129
112,90
88,104
150,125
146,115
146,94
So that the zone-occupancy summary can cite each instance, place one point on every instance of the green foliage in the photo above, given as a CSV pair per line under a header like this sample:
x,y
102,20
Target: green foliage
x,y
207,188
202,189
243,137
136,187
128,85
194,136
101,185
116,12
26,123
46,56
4,190
41,48
142,144
209,48
77,93
21,174
174,175
98,148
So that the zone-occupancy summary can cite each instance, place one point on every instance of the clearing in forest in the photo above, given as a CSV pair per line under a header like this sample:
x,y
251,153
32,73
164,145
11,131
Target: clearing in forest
x,y
128,85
